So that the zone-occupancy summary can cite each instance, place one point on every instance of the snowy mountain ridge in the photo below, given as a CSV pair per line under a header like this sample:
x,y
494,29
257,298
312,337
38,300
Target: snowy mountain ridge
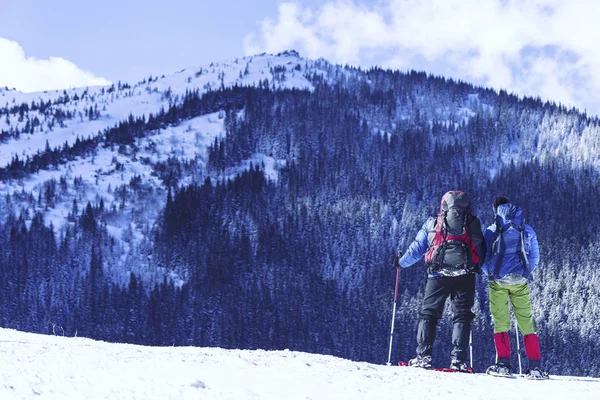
x,y
112,104
53,367
32,123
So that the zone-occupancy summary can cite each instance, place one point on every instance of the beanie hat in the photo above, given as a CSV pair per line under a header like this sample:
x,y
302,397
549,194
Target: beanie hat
x,y
500,200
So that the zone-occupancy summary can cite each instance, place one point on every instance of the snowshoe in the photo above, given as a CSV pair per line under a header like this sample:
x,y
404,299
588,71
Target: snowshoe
x,y
500,370
536,374
421,362
460,366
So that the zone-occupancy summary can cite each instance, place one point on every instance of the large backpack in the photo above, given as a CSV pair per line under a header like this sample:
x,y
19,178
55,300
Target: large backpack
x,y
451,247
509,239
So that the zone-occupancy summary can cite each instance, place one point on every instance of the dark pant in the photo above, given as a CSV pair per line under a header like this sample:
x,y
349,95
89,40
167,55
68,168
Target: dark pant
x,y
461,290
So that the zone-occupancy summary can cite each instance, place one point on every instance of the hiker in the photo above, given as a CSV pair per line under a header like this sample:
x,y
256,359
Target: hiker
x,y
513,254
453,246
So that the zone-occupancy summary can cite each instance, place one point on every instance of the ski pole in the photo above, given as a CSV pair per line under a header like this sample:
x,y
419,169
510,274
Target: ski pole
x,y
471,348
518,346
394,309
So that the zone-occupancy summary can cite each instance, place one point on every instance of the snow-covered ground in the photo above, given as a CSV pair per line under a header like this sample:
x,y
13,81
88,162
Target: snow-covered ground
x,y
52,367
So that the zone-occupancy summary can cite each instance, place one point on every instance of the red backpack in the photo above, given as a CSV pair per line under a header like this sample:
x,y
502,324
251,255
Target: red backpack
x,y
450,244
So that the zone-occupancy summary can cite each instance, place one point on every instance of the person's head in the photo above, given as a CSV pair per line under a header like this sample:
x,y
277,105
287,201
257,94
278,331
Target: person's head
x,y
500,200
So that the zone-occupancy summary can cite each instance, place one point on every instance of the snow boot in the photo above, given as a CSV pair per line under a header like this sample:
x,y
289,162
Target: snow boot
x,y
421,362
460,366
500,369
537,374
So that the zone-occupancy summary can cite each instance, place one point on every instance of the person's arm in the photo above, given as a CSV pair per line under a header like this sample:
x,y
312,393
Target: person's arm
x,y
533,256
418,247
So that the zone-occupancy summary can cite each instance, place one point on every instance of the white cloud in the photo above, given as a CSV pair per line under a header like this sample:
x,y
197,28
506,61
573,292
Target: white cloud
x,y
545,48
29,74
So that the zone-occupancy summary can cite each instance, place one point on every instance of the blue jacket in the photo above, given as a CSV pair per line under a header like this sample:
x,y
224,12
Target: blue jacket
x,y
504,256
420,245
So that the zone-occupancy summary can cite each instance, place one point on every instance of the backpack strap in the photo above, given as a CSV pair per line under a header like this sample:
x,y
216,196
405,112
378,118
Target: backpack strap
x,y
470,247
499,248
436,258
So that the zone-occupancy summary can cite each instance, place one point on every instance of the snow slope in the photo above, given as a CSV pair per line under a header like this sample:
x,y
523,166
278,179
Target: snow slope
x,y
52,367
108,169
284,71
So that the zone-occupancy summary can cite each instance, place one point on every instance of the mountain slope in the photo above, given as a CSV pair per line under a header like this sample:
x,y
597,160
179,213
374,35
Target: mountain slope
x,y
33,123
260,217
48,367
34,113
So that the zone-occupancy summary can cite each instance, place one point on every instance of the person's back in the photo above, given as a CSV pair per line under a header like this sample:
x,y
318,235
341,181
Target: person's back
x,y
452,242
453,246
512,247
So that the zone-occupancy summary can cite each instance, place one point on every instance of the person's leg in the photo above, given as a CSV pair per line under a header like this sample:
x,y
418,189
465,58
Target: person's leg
x,y
501,317
463,298
436,292
521,302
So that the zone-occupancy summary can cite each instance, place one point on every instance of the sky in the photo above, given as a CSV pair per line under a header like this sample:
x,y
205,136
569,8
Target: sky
x,y
44,367
545,48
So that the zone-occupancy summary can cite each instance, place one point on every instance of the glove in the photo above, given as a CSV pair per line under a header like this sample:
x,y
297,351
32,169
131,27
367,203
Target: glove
x,y
397,259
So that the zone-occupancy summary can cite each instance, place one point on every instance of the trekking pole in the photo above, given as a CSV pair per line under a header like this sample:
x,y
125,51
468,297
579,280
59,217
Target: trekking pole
x,y
471,348
394,309
518,346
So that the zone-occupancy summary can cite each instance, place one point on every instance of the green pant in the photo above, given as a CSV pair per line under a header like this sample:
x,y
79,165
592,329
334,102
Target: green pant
x,y
521,302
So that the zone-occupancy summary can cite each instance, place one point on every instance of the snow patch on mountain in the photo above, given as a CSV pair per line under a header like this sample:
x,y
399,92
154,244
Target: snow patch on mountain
x,y
116,103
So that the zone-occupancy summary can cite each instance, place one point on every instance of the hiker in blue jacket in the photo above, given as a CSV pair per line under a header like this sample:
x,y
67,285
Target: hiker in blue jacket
x,y
453,246
513,254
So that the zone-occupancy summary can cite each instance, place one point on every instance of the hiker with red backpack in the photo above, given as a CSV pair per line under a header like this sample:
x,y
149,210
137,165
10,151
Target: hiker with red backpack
x,y
513,254
453,246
